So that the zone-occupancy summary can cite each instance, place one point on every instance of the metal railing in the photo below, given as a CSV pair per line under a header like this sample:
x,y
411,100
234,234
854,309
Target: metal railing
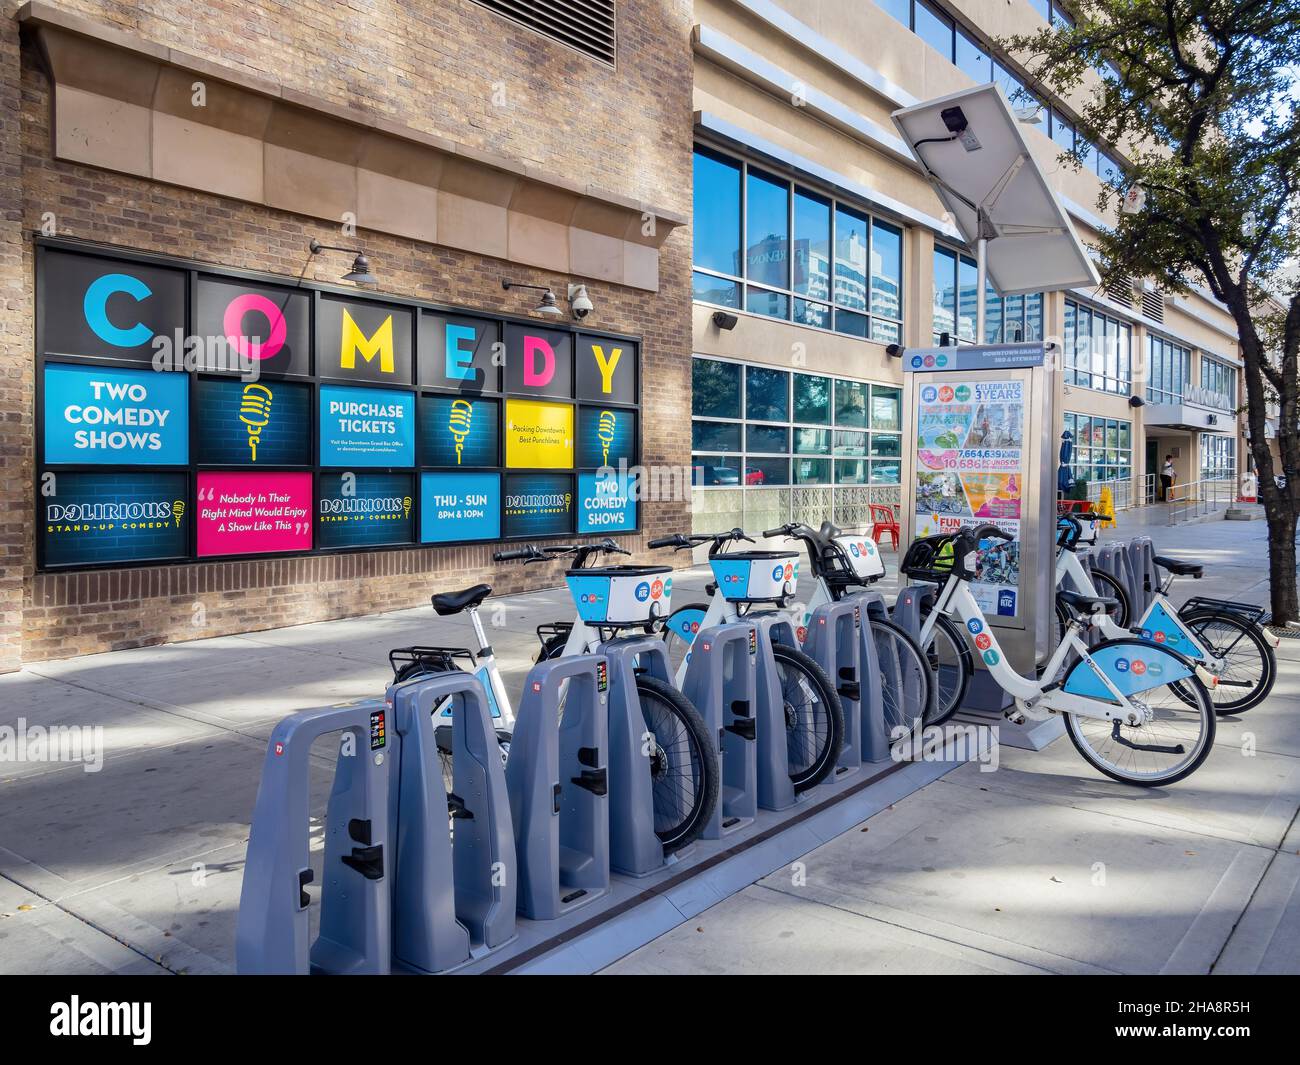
x,y
1150,488
1196,498
1121,493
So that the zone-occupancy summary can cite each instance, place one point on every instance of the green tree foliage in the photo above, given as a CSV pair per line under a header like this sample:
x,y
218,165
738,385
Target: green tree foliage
x,y
1201,100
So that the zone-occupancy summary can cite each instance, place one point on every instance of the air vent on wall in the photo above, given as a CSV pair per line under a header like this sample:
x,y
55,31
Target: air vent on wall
x,y
587,25
1120,290
1153,305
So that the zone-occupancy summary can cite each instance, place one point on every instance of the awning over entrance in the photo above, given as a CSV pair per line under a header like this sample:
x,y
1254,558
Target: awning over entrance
x,y
1190,418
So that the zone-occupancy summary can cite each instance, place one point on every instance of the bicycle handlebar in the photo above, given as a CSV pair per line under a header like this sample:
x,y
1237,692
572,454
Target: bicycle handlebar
x,y
516,554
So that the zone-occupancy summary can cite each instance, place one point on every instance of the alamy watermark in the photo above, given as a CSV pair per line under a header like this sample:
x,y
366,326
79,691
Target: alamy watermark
x,y
21,743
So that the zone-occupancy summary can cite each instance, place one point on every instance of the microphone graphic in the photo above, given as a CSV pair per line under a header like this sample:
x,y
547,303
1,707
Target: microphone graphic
x,y
458,422
605,434
255,412
178,511
406,507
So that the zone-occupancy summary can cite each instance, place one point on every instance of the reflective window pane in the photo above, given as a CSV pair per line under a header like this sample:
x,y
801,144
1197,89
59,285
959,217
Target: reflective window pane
x,y
812,471
885,332
851,403
715,388
900,9
886,270
886,445
850,443
973,59
812,399
851,237
853,324
886,472
850,471
1062,131
709,289
716,225
709,471
886,408
933,27
766,394
766,471
812,441
762,301
945,291
968,285
816,315
812,245
769,438
767,236
715,436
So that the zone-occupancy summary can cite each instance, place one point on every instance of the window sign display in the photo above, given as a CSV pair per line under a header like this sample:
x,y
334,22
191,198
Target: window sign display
x,y
455,507
458,431
366,427
253,513
107,518
359,340
262,324
539,361
539,435
330,421
115,417
364,509
253,423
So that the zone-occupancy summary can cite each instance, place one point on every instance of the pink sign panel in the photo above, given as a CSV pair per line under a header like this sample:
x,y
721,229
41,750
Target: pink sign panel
x,y
254,513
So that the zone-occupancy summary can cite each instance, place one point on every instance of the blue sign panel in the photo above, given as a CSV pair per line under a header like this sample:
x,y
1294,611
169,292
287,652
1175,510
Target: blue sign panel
x,y
366,427
973,357
254,423
455,507
459,431
104,518
606,437
365,510
605,503
116,417
539,504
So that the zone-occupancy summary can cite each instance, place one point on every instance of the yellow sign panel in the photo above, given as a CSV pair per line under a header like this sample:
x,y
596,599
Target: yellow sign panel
x,y
539,436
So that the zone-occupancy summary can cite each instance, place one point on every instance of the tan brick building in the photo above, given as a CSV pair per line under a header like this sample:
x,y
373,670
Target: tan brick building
x,y
210,142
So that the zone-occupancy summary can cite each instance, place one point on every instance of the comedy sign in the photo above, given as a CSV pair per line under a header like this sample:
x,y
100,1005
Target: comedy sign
x,y
116,417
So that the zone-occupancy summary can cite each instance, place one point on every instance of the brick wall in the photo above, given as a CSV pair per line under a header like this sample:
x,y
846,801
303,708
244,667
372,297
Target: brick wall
x,y
434,66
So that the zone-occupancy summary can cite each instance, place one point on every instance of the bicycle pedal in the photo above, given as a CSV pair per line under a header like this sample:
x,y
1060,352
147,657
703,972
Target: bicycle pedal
x,y
1016,717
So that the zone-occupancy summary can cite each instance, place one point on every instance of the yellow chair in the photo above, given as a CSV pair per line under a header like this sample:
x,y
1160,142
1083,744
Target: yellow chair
x,y
1106,508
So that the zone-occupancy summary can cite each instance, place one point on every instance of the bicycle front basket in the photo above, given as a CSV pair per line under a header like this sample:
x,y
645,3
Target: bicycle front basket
x,y
621,596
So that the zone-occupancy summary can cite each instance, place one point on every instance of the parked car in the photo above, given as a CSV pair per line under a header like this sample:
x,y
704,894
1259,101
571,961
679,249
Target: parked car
x,y
755,475
716,475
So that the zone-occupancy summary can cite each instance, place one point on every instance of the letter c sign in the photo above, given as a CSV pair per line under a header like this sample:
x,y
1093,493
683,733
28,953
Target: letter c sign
x,y
95,307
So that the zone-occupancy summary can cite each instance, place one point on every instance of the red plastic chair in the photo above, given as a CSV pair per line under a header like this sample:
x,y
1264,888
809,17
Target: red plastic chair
x,y
885,522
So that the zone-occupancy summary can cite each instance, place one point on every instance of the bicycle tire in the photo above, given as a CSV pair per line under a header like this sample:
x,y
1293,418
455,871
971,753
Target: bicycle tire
x,y
675,830
1198,696
1268,658
827,703
1108,586
675,645
895,708
957,669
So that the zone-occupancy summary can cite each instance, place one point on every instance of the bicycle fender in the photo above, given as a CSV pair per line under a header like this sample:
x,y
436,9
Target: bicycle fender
x,y
1131,665
685,622
1161,627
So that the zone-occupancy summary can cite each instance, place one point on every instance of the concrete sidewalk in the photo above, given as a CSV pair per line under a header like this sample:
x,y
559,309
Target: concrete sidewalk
x,y
137,867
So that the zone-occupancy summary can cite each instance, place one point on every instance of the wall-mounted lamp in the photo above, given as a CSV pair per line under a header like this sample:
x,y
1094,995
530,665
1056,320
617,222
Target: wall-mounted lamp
x,y
546,305
1136,401
895,351
360,273
945,339
723,320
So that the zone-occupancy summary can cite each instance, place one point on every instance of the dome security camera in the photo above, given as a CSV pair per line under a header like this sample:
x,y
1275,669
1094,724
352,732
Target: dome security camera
x,y
580,301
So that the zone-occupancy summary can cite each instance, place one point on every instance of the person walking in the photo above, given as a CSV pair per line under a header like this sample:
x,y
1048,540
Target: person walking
x,y
1166,478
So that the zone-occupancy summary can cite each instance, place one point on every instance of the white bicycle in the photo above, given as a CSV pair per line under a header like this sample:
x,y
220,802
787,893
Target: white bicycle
x,y
1137,711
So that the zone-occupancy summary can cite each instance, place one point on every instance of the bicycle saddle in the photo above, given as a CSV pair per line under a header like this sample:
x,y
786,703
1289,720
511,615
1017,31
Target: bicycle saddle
x,y
1087,604
1180,568
829,531
454,602
711,588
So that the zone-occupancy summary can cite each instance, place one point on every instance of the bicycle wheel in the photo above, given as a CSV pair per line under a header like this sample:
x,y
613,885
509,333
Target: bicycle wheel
x,y
814,717
906,679
442,733
684,774
1111,588
951,665
1250,665
679,629
1168,748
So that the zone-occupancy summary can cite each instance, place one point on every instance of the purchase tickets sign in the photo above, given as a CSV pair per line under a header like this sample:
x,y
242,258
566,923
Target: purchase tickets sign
x,y
116,417
459,506
360,340
539,435
253,513
365,509
366,427
107,308
106,518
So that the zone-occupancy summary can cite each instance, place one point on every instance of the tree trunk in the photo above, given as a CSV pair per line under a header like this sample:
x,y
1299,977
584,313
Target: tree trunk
x,y
1281,562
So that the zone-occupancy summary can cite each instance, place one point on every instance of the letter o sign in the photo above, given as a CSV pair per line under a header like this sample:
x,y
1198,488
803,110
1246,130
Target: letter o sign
x,y
233,323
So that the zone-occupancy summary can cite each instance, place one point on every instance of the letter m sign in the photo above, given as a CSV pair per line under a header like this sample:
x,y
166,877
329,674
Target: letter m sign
x,y
354,340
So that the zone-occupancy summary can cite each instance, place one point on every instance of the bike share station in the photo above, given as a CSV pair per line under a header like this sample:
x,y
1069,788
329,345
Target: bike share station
x,y
551,863
980,418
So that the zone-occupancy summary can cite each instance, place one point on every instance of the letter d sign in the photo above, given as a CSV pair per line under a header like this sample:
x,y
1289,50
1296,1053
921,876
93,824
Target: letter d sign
x,y
533,376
